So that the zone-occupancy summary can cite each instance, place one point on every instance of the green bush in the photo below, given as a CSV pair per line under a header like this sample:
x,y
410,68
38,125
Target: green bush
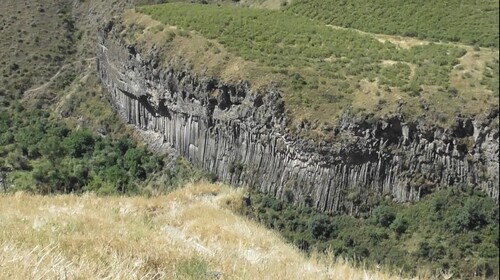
x,y
383,216
321,227
79,143
491,77
399,225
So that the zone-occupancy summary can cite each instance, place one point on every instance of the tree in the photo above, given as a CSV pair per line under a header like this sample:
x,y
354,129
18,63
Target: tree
x,y
383,216
321,227
51,148
470,217
399,225
117,176
79,143
133,162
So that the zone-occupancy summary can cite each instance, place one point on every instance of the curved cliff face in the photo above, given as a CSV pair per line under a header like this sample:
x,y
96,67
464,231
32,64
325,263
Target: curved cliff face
x,y
242,137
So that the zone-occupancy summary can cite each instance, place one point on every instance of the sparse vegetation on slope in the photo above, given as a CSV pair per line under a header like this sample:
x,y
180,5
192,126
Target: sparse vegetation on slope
x,y
491,76
469,22
188,234
452,230
37,38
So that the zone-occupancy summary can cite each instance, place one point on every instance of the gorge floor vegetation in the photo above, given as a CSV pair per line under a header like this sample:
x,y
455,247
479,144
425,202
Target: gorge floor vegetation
x,y
453,230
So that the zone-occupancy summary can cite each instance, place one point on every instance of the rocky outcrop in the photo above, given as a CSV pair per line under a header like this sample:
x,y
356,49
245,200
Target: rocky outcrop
x,y
242,137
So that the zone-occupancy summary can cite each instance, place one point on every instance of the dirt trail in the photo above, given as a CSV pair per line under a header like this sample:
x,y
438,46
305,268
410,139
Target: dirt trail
x,y
403,41
53,78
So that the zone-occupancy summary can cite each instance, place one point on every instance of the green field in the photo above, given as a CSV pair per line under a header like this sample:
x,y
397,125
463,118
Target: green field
x,y
468,22
324,70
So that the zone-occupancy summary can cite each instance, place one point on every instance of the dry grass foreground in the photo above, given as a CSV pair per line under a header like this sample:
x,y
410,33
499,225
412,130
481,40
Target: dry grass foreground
x,y
192,233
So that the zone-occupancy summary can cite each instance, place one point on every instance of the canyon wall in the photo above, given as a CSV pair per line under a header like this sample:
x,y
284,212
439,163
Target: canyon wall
x,y
242,137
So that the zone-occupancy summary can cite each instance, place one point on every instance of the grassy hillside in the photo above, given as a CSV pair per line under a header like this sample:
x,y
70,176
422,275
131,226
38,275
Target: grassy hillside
x,y
468,22
189,234
323,70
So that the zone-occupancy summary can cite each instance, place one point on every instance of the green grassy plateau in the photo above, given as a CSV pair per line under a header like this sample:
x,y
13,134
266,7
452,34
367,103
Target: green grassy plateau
x,y
322,70
468,22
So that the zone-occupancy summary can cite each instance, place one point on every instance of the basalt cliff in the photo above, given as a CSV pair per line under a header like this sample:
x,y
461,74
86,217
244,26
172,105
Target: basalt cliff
x,y
243,137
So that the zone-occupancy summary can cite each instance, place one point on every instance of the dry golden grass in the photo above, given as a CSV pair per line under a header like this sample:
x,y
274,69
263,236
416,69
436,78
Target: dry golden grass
x,y
192,233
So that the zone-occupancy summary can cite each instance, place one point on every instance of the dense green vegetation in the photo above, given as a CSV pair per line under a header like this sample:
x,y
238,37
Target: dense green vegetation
x,y
45,156
469,22
454,230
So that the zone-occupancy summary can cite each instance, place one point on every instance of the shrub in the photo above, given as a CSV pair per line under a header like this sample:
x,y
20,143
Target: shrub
x,y
383,216
79,143
399,225
321,227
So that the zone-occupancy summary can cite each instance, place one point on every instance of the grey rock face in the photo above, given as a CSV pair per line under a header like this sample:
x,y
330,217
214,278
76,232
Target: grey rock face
x,y
241,136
